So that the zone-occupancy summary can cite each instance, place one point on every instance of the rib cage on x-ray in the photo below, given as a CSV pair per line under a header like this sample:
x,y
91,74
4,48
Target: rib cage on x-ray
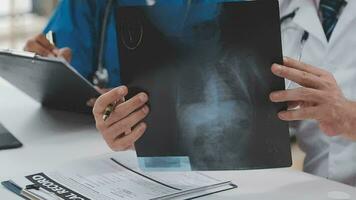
x,y
216,106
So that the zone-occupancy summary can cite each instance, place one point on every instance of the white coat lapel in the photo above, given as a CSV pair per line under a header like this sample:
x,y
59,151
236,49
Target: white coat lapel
x,y
307,18
345,21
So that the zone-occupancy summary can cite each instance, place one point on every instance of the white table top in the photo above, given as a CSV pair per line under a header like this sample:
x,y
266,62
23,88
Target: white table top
x,y
52,138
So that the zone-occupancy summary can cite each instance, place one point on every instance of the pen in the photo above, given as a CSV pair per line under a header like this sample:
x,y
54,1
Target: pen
x,y
50,37
109,110
23,192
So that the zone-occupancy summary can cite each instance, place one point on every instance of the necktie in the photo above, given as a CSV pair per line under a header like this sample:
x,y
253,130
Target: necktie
x,y
330,10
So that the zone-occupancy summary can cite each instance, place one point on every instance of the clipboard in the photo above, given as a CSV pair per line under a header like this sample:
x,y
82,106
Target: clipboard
x,y
51,81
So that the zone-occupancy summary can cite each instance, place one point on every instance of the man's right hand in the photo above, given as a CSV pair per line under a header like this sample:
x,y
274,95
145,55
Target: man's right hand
x,y
124,126
41,46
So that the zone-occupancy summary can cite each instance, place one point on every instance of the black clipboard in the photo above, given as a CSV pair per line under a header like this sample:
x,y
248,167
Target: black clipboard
x,y
51,81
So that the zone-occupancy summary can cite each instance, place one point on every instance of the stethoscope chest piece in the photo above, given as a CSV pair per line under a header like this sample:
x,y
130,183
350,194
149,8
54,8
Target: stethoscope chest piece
x,y
101,78
101,75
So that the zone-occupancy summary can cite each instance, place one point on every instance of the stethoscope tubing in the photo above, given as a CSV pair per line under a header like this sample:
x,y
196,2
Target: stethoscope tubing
x,y
303,39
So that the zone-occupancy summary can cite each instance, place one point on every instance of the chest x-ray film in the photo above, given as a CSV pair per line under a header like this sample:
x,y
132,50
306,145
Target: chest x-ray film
x,y
206,69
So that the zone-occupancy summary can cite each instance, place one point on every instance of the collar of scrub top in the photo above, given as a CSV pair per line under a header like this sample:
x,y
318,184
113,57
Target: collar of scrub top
x,y
308,19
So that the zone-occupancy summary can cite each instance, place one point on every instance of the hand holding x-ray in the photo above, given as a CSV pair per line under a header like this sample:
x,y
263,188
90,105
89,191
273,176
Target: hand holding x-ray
x,y
124,126
319,99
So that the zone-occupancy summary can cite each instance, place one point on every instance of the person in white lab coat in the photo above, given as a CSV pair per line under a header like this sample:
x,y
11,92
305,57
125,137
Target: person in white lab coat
x,y
326,41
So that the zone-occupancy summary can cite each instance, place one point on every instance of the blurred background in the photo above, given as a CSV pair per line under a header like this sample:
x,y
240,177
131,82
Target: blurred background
x,y
21,19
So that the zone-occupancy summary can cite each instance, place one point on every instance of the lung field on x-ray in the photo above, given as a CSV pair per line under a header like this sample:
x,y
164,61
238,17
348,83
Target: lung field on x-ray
x,y
215,106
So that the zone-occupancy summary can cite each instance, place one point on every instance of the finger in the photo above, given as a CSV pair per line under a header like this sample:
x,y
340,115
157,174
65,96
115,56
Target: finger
x,y
127,132
128,141
303,78
298,94
103,90
124,109
44,42
292,105
92,101
299,114
127,123
289,62
65,53
108,98
35,47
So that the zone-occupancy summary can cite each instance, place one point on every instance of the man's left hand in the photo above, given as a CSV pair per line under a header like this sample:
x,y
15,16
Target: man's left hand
x,y
319,98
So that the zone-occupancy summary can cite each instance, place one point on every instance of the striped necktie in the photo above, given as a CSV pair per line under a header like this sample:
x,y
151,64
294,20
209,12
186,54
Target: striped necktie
x,y
330,11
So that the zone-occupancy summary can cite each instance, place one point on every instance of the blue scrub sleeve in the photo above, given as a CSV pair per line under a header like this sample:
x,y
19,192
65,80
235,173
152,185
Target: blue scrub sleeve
x,y
74,27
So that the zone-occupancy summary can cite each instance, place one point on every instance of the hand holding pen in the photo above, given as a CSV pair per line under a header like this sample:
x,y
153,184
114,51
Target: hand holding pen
x,y
119,121
45,46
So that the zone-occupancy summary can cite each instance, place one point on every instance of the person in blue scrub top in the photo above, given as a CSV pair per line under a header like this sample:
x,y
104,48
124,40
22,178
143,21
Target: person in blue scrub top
x,y
78,25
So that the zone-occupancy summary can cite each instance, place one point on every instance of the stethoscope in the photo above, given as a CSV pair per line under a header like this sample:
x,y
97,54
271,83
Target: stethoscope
x,y
101,75
305,35
303,39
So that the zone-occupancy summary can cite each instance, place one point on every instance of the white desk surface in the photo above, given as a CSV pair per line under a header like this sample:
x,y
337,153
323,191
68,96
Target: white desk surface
x,y
52,138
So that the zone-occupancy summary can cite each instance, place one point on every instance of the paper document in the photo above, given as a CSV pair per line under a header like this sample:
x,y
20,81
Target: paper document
x,y
114,177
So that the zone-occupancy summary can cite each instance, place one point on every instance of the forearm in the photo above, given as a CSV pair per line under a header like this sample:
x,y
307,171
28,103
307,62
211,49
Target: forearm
x,y
350,120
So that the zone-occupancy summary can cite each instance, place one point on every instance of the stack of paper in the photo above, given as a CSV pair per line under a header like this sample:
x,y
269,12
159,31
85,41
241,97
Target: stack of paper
x,y
114,177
